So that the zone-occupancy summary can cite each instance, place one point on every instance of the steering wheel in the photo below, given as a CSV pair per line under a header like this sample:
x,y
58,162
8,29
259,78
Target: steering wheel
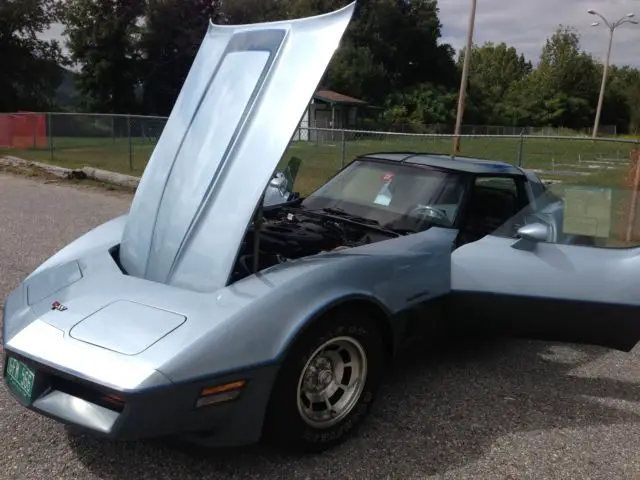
x,y
427,212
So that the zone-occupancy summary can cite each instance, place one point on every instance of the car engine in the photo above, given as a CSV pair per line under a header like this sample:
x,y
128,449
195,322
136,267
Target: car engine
x,y
290,233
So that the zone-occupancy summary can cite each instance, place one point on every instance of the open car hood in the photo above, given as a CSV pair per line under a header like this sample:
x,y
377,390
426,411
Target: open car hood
x,y
238,109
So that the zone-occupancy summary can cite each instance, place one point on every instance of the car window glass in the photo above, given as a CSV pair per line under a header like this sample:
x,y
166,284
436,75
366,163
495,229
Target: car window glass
x,y
580,214
507,184
492,202
393,194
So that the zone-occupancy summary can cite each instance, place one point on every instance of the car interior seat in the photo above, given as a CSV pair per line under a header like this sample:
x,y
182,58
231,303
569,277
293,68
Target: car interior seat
x,y
489,208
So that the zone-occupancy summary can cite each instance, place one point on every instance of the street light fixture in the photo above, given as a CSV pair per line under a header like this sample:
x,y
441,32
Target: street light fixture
x,y
628,18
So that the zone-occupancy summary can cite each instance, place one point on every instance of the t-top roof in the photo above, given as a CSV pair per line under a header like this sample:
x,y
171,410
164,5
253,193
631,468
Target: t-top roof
x,y
461,164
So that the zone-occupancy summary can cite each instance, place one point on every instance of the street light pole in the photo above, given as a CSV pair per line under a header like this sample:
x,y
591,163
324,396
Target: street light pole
x,y
464,80
605,72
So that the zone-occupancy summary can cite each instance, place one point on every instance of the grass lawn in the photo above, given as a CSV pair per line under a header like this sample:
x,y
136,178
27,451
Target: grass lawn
x,y
321,160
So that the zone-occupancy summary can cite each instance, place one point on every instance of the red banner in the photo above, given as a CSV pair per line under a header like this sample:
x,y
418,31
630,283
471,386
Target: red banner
x,y
23,130
5,131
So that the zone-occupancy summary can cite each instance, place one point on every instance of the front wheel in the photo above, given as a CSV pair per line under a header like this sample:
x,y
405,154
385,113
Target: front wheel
x,y
327,383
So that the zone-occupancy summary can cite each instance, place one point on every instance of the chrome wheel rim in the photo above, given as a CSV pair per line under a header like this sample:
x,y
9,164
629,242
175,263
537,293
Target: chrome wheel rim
x,y
331,382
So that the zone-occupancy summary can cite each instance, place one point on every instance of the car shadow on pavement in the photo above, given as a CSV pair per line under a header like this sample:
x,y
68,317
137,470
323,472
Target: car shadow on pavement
x,y
441,408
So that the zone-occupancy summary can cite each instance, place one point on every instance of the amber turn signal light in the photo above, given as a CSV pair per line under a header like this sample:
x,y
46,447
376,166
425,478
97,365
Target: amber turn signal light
x,y
220,393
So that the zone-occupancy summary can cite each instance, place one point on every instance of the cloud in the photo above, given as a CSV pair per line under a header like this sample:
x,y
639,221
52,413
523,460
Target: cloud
x,y
526,25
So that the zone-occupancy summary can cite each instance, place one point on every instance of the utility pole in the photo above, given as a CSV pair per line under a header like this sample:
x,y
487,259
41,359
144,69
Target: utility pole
x,y
465,76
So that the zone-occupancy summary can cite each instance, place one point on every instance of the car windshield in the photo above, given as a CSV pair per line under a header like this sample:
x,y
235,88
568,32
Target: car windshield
x,y
394,195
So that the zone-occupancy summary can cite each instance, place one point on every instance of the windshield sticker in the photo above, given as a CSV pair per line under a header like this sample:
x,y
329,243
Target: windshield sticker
x,y
587,211
387,177
384,195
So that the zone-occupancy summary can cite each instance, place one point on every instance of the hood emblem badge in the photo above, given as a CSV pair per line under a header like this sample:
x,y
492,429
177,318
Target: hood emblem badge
x,y
58,306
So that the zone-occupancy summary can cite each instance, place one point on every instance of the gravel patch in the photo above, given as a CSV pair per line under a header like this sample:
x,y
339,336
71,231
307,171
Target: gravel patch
x,y
485,410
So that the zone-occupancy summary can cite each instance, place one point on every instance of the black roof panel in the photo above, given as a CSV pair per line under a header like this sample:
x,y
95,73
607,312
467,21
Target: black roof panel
x,y
461,164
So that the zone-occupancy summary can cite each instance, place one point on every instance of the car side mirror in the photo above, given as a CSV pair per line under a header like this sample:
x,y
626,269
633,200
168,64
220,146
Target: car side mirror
x,y
530,235
535,232
277,191
278,182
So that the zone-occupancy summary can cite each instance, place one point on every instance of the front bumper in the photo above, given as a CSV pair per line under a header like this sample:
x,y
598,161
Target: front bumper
x,y
163,411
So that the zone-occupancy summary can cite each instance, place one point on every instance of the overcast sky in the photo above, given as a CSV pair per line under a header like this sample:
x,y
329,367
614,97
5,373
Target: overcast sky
x,y
526,24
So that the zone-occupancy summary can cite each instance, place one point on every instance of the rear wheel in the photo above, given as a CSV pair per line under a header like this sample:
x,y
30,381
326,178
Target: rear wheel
x,y
327,383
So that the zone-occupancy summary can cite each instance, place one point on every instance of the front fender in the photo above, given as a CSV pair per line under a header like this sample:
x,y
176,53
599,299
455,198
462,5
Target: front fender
x,y
266,312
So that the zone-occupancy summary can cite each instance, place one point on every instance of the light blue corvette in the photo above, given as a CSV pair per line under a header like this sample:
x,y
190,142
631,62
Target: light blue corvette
x,y
215,314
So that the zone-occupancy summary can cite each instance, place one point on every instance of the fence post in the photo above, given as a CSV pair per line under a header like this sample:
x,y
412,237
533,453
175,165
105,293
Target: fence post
x,y
520,145
344,149
50,135
34,124
130,140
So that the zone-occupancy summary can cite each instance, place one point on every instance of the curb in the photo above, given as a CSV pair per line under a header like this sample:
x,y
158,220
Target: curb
x,y
104,176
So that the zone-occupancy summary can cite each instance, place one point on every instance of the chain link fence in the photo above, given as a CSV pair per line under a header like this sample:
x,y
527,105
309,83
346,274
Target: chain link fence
x,y
121,143
559,158
449,129
124,143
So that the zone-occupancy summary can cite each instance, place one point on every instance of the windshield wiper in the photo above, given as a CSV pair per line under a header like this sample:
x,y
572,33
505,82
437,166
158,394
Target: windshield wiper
x,y
338,211
341,212
358,220
355,219
368,221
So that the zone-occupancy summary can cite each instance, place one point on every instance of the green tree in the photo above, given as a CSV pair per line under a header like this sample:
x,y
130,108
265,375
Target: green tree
x,y
634,108
566,80
30,66
421,107
240,12
403,39
355,71
565,67
494,69
173,32
103,38
561,91
305,8
618,107
390,45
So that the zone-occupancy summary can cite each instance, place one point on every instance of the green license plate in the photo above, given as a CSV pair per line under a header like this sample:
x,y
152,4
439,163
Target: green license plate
x,y
20,379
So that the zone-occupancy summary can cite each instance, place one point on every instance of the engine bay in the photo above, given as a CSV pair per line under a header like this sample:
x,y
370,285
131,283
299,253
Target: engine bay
x,y
289,233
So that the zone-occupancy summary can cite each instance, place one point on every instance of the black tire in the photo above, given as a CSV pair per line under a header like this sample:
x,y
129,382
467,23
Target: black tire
x,y
284,425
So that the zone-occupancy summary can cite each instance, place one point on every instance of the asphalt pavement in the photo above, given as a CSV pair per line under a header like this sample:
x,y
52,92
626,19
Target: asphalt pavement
x,y
490,409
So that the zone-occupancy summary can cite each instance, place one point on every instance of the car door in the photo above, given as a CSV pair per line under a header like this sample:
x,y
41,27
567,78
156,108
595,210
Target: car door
x,y
530,285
